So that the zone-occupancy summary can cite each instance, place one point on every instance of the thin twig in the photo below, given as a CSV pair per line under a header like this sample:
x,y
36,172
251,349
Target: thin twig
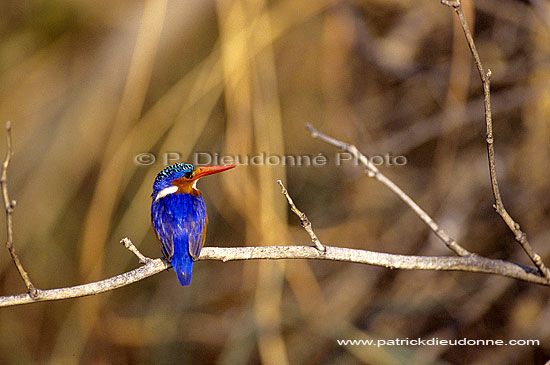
x,y
9,206
132,248
471,263
303,219
373,172
485,77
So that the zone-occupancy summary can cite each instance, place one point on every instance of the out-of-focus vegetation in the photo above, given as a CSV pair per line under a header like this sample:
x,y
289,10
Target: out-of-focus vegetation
x,y
90,85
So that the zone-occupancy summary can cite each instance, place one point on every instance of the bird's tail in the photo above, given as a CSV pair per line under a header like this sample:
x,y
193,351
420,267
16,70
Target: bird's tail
x,y
183,265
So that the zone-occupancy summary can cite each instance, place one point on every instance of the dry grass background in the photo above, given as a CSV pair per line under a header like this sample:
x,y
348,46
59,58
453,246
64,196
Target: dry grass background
x,y
90,85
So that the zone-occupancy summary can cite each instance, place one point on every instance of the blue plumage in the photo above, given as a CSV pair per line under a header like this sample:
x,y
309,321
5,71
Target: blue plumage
x,y
179,220
178,214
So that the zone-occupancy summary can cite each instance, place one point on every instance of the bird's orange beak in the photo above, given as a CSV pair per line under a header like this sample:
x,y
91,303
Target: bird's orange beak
x,y
209,170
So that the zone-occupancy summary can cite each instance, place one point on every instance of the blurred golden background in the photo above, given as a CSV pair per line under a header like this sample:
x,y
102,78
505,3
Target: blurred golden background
x,y
91,85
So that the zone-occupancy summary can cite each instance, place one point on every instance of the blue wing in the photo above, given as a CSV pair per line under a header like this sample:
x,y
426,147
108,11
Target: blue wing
x,y
180,223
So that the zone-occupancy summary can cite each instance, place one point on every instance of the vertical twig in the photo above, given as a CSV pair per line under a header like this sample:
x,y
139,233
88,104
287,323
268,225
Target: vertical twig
x,y
485,77
303,219
8,206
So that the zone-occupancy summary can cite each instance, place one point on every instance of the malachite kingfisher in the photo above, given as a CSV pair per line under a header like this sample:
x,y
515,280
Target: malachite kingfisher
x,y
178,214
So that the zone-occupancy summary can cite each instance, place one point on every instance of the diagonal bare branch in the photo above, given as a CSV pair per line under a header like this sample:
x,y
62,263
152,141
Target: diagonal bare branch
x,y
373,172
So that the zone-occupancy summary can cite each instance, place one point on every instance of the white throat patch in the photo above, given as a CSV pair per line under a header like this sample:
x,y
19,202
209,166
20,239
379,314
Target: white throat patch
x,y
166,191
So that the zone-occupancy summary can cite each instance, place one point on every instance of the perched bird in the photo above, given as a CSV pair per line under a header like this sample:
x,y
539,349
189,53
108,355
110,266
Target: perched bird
x,y
178,214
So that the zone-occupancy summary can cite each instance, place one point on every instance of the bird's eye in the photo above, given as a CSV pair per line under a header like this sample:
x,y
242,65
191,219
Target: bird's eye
x,y
188,175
